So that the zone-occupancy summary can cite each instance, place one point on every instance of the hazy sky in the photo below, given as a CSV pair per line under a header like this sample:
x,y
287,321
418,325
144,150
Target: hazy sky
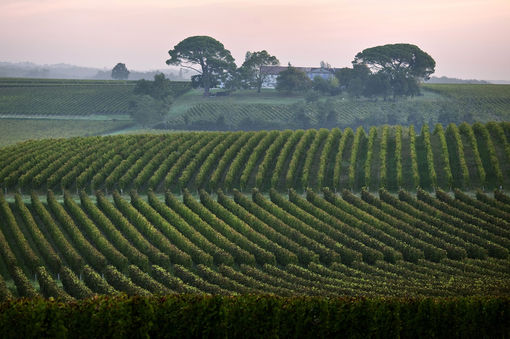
x,y
467,38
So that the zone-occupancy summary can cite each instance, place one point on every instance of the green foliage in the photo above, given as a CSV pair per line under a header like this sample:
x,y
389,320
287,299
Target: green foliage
x,y
403,65
292,80
487,150
370,151
214,60
467,131
444,153
257,316
147,111
414,159
270,110
429,155
360,134
49,287
74,286
383,156
159,89
75,97
120,72
265,160
324,245
251,68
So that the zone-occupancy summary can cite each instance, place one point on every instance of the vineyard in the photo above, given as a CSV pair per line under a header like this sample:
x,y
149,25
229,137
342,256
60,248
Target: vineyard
x,y
467,157
490,101
371,245
49,97
376,231
18,130
246,116
438,103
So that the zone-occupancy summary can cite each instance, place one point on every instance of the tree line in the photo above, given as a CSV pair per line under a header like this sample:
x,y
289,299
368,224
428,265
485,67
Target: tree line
x,y
389,70
393,70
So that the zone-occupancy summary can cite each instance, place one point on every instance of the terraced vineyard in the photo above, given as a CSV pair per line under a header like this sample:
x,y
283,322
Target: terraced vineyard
x,y
317,244
392,157
67,97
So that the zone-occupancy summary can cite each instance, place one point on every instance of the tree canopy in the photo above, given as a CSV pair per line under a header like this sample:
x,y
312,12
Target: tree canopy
x,y
293,80
205,55
159,89
394,59
403,66
120,72
250,70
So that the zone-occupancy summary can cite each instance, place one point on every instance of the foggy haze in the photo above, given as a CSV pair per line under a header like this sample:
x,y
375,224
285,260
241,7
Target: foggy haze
x,y
468,39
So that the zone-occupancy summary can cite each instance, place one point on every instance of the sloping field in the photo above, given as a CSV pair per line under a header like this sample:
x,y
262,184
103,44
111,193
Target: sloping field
x,y
250,111
17,130
317,244
490,101
467,156
50,97
350,112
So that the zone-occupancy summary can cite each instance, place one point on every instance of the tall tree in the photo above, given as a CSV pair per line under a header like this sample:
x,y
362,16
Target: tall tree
x,y
405,64
293,80
120,72
353,79
250,69
205,55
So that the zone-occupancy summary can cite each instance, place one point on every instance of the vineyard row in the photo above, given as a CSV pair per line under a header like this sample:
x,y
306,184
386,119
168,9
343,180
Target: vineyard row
x,y
392,157
312,244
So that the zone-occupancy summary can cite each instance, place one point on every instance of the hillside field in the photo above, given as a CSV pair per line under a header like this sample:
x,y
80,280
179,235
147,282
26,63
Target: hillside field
x,y
466,156
247,110
13,131
54,97
391,238
318,244
353,229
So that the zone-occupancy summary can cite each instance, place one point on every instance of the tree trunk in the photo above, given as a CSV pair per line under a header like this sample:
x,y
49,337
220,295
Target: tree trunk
x,y
205,82
260,80
205,78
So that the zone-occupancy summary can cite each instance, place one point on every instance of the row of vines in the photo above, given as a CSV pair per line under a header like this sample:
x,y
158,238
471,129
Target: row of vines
x,y
313,244
390,157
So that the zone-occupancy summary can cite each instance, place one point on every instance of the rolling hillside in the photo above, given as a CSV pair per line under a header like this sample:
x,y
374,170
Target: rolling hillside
x,y
53,97
381,234
466,156
318,244
245,110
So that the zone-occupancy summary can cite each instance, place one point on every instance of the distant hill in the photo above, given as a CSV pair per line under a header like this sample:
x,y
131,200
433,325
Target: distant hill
x,y
66,71
448,80
22,97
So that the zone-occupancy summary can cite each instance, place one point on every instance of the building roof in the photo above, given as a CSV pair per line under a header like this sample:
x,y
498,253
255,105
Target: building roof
x,y
275,70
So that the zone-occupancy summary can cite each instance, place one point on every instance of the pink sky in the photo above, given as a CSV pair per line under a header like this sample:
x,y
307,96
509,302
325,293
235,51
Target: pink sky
x,y
467,38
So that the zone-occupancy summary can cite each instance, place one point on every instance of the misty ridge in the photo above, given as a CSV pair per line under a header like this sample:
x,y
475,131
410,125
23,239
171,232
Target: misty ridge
x,y
67,71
